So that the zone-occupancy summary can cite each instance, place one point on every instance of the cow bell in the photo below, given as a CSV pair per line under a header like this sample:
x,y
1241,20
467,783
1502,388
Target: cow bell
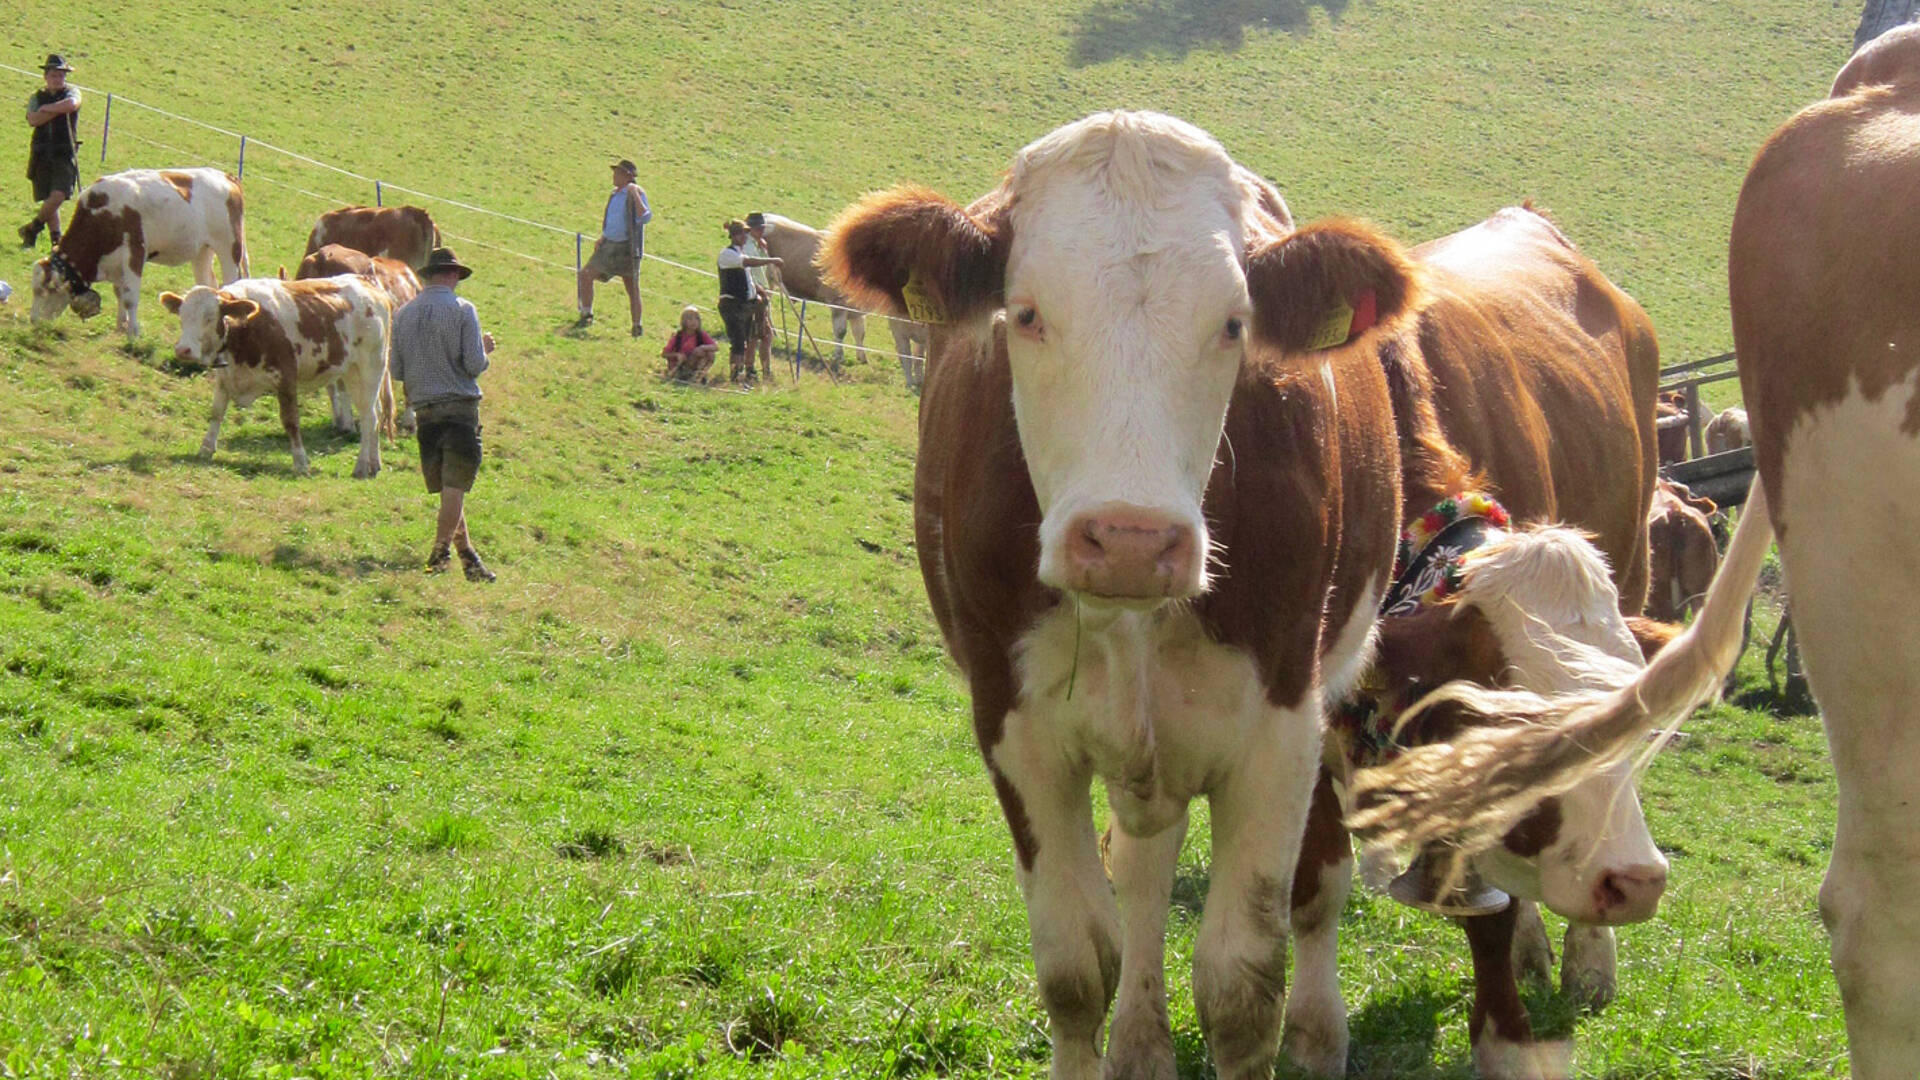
x,y
85,304
1433,884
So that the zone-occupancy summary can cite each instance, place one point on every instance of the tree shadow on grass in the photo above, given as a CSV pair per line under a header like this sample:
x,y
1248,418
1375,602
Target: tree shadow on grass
x,y
1170,29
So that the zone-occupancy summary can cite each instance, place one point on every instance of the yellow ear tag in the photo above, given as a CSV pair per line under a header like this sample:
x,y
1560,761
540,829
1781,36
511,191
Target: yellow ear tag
x,y
922,306
1334,330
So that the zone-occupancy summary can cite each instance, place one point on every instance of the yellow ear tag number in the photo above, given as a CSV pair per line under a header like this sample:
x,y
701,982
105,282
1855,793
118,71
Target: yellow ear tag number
x,y
1334,329
922,306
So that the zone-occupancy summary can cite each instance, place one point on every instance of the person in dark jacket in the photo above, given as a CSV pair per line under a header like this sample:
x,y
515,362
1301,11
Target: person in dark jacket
x,y
53,158
738,299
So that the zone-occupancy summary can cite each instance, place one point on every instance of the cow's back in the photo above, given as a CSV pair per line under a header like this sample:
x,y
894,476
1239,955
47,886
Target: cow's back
x,y
1543,376
406,233
796,246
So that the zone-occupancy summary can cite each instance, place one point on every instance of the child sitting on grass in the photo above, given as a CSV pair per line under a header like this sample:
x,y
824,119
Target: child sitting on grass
x,y
690,350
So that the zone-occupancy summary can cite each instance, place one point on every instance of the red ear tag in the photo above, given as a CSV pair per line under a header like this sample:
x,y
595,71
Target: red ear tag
x,y
1365,309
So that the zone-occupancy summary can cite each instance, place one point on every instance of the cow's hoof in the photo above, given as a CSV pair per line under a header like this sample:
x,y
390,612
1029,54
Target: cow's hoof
x,y
1497,1058
1139,1050
206,452
1318,1048
365,472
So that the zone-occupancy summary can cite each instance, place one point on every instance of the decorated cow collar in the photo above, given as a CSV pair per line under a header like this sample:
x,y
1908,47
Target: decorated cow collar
x,y
58,263
1428,569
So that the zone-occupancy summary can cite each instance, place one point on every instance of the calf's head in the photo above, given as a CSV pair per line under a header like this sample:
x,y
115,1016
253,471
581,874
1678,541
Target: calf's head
x,y
1537,611
207,318
1138,274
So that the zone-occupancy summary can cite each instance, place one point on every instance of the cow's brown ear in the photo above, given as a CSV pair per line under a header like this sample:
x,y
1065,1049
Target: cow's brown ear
x,y
912,252
171,301
239,309
1329,284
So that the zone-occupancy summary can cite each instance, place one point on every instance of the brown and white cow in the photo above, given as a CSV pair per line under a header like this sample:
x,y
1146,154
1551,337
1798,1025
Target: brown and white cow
x,y
1685,551
394,277
1672,419
1535,610
1156,518
125,221
1728,431
406,233
263,334
1823,268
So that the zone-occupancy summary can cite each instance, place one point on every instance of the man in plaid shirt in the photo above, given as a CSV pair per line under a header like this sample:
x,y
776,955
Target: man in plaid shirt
x,y
439,351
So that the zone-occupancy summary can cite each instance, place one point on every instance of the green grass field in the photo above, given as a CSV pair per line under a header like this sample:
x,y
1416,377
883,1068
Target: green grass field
x,y
691,791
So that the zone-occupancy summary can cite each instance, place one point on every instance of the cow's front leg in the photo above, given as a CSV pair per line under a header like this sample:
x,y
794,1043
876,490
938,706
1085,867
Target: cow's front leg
x,y
220,399
289,400
1587,965
1140,1046
203,267
1532,952
1502,1037
1071,916
1316,1019
126,304
1240,954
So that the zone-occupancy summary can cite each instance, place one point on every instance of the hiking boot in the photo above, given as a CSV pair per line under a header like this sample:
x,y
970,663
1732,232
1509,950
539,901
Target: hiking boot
x,y
440,558
476,570
30,232
639,331
585,320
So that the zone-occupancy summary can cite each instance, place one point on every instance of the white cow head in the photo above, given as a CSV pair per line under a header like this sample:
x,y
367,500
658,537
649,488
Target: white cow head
x,y
56,286
1136,267
207,317
1537,612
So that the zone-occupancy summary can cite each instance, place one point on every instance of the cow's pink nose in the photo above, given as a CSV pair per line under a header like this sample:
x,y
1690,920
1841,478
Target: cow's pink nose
x,y
1630,894
1131,553
181,352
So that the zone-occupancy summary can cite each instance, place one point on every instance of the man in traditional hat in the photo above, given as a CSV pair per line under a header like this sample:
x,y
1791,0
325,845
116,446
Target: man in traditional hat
x,y
53,161
737,296
763,304
438,353
617,253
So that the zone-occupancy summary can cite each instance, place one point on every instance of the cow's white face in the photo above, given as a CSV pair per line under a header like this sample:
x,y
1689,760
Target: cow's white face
x,y
51,293
207,316
1601,865
1126,320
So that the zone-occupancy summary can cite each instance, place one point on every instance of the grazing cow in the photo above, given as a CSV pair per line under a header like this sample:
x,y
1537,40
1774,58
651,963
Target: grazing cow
x,y
406,233
262,334
125,221
1823,267
1534,610
394,277
1728,431
1156,519
1684,551
1671,420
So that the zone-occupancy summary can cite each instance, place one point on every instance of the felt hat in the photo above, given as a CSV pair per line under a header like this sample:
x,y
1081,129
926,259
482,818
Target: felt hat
x,y
444,259
56,62
756,220
628,165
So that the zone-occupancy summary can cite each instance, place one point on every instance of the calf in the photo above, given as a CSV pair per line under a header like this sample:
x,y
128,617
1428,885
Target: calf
x,y
406,233
125,221
1684,550
1670,420
1534,610
261,334
1728,431
393,276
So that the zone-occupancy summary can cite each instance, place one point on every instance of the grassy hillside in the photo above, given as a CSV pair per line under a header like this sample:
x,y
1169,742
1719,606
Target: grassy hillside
x,y
690,792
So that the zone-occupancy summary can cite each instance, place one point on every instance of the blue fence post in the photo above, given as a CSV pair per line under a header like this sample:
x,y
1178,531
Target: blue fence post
x,y
377,194
106,125
241,172
578,242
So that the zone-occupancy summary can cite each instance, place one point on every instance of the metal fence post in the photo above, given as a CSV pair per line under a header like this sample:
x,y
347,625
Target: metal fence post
x,y
578,242
378,197
106,125
241,172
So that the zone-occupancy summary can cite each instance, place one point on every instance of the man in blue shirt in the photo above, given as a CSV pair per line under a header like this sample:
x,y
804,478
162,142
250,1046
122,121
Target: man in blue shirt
x,y
621,245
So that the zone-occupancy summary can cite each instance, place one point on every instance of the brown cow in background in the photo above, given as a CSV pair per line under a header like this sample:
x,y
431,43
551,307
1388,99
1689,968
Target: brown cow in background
x,y
1680,538
406,233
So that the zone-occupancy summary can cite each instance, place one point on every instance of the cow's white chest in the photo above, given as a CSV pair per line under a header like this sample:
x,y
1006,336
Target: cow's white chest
x,y
1159,711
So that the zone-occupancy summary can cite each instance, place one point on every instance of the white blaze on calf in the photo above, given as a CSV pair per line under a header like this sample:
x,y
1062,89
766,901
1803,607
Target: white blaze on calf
x,y
262,334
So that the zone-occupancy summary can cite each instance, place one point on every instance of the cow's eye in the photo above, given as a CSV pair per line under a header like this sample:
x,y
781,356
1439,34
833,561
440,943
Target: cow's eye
x,y
1233,329
1027,321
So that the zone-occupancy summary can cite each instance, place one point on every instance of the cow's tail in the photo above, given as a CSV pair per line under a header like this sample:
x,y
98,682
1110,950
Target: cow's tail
x,y
1469,792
